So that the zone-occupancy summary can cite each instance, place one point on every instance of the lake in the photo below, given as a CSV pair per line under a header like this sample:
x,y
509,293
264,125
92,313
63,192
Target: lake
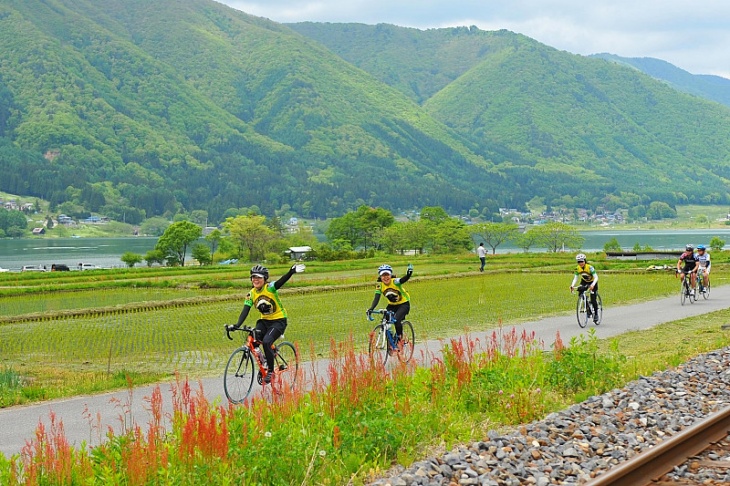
x,y
105,252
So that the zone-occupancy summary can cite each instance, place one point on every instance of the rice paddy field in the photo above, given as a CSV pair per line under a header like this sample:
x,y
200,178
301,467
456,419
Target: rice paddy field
x,y
75,334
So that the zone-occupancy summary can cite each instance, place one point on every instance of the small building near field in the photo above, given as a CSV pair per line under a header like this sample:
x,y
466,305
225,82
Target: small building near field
x,y
299,252
39,231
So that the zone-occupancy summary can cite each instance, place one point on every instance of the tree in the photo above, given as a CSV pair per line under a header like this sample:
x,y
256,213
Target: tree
x,y
214,238
449,236
555,236
154,256
174,242
13,222
202,253
612,245
716,243
526,240
360,227
131,259
494,234
154,226
250,233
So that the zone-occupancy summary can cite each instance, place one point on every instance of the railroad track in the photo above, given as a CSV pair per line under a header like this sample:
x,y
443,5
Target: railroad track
x,y
651,466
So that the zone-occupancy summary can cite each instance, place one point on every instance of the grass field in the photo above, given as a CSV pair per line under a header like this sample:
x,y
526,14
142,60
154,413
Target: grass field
x,y
69,342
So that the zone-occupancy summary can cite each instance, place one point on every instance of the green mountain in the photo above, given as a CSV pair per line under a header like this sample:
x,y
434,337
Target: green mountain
x,y
190,104
134,108
715,88
569,128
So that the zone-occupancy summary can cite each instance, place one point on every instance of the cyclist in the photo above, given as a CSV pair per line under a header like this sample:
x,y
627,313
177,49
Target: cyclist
x,y
264,297
588,281
688,264
703,268
399,301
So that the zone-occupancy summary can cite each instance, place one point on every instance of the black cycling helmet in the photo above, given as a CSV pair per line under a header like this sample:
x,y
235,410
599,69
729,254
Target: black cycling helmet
x,y
260,271
689,247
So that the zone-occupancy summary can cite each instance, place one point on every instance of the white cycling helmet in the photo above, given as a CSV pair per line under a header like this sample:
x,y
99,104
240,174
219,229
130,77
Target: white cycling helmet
x,y
580,257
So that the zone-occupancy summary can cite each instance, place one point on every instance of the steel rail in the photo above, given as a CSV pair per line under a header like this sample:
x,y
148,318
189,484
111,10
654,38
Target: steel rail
x,y
649,465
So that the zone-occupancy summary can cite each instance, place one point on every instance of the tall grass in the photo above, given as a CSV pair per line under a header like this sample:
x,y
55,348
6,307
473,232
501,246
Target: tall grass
x,y
348,427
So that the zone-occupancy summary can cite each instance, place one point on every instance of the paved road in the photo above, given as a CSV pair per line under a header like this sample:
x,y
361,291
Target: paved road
x,y
18,424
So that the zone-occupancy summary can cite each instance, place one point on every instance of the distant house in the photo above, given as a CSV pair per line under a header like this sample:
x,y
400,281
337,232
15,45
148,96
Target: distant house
x,y
299,252
63,219
39,231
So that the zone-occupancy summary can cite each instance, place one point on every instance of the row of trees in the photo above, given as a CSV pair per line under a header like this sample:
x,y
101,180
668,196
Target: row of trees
x,y
435,231
254,237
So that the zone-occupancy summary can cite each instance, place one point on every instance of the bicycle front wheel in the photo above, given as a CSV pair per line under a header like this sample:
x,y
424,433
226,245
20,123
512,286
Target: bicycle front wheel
x,y
581,310
599,303
378,347
407,343
683,292
238,377
706,293
286,364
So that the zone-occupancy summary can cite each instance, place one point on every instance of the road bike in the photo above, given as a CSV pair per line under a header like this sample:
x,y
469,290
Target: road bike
x,y
704,290
248,361
383,339
584,309
686,292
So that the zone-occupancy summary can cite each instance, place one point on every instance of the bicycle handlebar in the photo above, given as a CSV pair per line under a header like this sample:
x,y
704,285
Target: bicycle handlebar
x,y
379,311
242,328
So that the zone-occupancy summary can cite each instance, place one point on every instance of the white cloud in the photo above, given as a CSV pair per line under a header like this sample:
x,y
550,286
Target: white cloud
x,y
691,35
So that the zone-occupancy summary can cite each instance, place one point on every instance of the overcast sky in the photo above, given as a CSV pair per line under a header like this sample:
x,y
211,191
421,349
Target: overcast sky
x,y
692,35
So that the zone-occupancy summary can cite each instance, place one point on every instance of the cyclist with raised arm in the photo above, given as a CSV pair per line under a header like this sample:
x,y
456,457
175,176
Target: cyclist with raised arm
x,y
703,268
264,297
399,301
588,278
688,264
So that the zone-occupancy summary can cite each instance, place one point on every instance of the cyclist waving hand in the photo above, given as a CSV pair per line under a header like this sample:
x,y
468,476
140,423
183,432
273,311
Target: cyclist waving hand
x,y
399,301
588,281
264,296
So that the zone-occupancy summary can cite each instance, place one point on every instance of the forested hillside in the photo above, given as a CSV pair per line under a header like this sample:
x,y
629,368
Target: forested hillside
x,y
715,88
575,130
191,104
133,109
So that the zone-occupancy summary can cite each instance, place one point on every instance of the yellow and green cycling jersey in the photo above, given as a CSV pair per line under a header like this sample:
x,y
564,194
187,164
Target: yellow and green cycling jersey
x,y
394,292
586,274
266,301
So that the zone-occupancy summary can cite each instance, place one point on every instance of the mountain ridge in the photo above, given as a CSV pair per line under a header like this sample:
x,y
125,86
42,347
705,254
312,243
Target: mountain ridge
x,y
158,108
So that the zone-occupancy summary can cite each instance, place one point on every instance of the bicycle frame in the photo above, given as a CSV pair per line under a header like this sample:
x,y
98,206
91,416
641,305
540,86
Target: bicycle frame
x,y
383,341
584,307
686,289
239,372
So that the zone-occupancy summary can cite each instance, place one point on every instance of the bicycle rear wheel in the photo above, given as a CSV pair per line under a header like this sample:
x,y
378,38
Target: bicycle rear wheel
x,y
286,364
581,310
378,346
238,377
407,343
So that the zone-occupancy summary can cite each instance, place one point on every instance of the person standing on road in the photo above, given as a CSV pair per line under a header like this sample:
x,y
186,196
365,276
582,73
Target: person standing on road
x,y
264,296
399,301
588,281
482,254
